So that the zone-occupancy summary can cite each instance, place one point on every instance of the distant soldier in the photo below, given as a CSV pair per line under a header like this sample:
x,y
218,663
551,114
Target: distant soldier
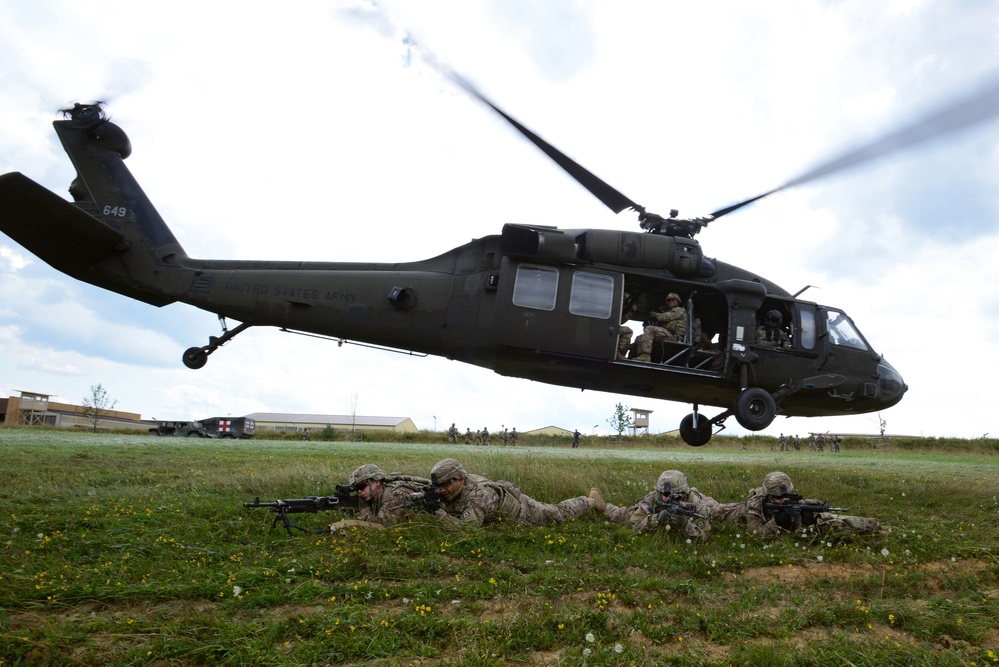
x,y
835,443
505,436
575,438
774,509
820,443
782,443
468,436
671,505
452,435
812,446
474,500
485,435
797,443
384,498
513,437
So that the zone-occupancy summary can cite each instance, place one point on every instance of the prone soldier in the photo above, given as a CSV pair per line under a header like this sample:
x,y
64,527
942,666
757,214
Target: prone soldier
x,y
383,497
466,499
775,508
671,505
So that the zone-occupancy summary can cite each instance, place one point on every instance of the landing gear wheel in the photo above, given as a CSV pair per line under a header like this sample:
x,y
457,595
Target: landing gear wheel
x,y
195,357
695,437
755,409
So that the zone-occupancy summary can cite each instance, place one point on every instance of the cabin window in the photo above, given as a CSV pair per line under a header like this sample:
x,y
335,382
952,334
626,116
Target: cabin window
x,y
807,333
592,295
842,332
535,287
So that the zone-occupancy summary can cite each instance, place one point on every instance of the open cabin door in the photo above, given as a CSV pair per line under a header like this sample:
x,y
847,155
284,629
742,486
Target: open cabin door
x,y
562,309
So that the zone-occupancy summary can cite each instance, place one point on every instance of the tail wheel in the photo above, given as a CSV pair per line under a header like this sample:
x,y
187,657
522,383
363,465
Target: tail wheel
x,y
695,436
195,357
755,409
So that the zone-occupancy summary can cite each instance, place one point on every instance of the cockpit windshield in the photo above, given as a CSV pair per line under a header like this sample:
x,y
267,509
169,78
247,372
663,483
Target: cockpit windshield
x,y
843,332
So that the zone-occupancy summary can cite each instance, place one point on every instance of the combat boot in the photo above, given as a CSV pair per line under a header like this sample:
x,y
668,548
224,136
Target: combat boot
x,y
643,357
596,501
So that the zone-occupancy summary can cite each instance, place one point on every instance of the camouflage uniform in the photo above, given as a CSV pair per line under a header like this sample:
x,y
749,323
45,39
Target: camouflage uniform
x,y
513,437
483,501
768,523
485,435
390,506
668,325
782,442
642,516
468,436
452,435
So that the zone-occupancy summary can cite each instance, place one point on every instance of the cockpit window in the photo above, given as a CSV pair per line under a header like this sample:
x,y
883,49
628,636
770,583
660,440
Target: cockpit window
x,y
842,332
592,295
535,287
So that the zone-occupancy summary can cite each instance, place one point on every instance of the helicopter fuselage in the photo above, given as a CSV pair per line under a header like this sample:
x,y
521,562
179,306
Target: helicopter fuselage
x,y
533,302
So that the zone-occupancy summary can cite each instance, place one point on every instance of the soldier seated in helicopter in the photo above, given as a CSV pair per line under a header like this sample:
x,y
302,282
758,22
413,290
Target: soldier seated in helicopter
x,y
668,324
772,333
628,309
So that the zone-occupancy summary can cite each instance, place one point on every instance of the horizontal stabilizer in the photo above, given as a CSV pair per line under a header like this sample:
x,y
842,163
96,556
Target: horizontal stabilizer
x,y
54,229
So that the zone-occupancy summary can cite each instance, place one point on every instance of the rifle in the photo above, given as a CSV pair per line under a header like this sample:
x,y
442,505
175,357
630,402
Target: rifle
x,y
428,497
345,498
798,509
674,507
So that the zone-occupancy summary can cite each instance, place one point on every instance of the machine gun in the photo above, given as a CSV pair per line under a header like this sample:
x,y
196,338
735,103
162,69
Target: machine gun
x,y
794,508
345,498
675,507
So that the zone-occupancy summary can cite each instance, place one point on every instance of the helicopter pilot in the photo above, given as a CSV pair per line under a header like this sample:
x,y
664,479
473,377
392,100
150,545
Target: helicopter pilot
x,y
668,324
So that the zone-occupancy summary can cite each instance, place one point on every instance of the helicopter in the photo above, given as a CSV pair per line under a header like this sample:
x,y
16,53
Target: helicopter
x,y
534,301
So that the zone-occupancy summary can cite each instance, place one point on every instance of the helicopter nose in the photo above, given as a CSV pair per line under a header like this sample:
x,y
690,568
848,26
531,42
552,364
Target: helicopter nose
x,y
890,385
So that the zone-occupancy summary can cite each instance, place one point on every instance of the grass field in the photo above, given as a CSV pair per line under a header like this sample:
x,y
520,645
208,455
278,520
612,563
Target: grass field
x,y
125,550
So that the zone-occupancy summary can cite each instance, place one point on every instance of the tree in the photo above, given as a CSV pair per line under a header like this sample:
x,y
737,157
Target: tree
x,y
621,420
97,405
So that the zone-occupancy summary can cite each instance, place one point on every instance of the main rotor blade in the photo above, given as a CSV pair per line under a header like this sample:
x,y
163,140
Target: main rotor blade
x,y
610,197
969,111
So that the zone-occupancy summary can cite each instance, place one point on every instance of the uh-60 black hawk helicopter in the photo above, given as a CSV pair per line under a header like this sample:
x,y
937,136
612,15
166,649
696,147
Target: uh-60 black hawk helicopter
x,y
533,302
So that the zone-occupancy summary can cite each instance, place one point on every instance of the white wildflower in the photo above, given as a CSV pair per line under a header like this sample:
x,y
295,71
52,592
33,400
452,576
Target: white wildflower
x,y
236,590
590,638
884,552
618,648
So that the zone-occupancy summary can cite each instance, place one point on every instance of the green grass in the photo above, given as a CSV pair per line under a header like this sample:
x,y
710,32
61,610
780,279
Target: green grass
x,y
120,549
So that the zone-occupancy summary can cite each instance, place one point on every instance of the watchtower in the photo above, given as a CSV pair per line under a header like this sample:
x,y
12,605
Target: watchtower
x,y
640,421
31,408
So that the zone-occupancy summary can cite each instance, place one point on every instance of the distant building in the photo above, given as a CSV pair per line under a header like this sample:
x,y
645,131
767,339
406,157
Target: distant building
x,y
291,422
34,409
550,430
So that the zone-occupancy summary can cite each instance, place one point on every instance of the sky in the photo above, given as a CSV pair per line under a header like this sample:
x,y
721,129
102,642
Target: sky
x,y
317,131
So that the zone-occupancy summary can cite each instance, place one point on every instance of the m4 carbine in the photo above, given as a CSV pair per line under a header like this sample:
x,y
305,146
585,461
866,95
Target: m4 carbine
x,y
345,499
675,507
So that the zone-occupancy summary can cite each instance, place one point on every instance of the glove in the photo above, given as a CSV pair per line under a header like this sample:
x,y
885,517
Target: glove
x,y
662,518
431,504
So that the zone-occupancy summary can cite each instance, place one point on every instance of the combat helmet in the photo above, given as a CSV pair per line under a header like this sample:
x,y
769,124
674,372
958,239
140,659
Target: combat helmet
x,y
445,470
366,473
777,484
672,481
674,295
